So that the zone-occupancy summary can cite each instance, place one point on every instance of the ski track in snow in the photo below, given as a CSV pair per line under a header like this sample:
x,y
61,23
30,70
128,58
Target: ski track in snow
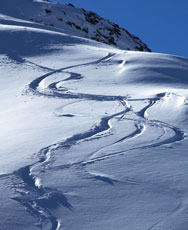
x,y
40,201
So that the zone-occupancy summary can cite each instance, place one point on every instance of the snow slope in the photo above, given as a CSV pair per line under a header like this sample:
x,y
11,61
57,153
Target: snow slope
x,y
71,20
92,137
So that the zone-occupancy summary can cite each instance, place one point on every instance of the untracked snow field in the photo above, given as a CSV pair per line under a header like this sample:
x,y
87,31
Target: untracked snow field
x,y
92,137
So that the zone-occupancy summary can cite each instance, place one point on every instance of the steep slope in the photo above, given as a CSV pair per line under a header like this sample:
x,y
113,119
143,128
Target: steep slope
x,y
92,137
74,21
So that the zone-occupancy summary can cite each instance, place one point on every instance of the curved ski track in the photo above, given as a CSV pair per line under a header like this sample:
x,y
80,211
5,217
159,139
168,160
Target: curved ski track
x,y
40,201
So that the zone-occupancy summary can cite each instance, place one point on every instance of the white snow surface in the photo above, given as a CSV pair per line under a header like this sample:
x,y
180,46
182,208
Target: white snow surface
x,y
92,137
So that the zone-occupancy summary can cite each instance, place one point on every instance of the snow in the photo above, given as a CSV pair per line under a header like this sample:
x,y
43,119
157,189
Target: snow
x,y
92,136
71,20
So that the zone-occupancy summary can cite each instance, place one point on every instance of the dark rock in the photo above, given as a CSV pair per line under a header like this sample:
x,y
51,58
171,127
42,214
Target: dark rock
x,y
71,5
60,19
112,41
92,18
140,48
85,30
48,11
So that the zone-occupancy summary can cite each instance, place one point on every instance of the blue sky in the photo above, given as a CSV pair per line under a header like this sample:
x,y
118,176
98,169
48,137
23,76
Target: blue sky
x,y
161,24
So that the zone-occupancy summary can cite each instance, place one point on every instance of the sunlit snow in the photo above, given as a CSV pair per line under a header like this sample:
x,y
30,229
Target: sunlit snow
x,y
92,137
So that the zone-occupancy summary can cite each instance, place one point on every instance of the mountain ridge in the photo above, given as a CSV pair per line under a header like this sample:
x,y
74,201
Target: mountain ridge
x,y
75,21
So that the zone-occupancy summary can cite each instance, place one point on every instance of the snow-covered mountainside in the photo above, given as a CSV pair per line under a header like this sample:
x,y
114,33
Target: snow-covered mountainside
x,y
75,21
92,136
